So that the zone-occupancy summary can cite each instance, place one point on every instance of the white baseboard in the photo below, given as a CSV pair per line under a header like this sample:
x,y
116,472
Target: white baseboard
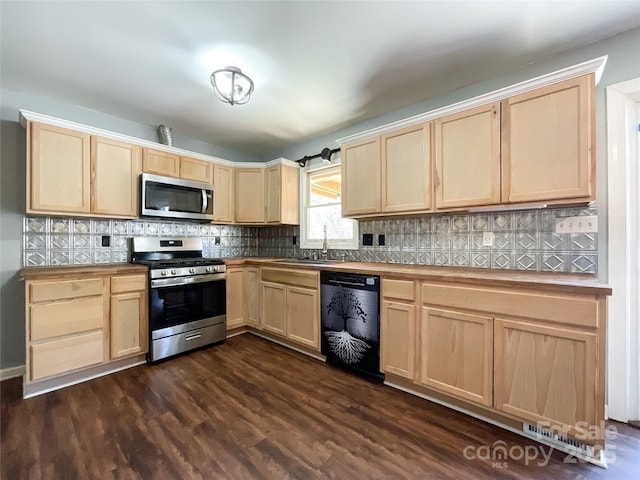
x,y
13,372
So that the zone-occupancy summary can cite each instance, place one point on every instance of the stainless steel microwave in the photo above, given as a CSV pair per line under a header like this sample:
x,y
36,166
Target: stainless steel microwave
x,y
169,197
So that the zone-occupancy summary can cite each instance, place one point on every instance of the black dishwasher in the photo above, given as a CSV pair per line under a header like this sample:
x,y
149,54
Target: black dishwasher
x,y
350,317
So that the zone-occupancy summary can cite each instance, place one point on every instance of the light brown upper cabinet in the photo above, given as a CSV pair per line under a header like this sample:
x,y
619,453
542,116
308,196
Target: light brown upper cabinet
x,y
160,163
115,168
406,170
196,170
283,194
361,178
172,165
71,172
250,195
468,158
223,199
58,170
547,143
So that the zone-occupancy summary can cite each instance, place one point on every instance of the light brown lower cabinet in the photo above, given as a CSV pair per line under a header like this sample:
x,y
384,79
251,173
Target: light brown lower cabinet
x,y
274,308
532,355
291,306
129,323
66,322
457,353
303,316
73,323
546,373
252,296
398,331
399,328
235,297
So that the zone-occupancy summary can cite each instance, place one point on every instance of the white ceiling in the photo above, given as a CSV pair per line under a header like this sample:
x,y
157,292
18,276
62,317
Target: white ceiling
x,y
317,66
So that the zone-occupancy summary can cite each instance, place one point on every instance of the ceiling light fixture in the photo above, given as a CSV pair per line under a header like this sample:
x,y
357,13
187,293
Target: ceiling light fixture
x,y
325,154
231,85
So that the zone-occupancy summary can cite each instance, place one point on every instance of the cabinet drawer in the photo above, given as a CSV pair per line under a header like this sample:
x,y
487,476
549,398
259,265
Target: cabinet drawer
x,y
400,289
128,283
63,318
570,309
299,278
60,356
61,290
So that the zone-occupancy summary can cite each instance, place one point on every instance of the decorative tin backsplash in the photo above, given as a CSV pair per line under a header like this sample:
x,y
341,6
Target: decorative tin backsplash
x,y
523,240
78,241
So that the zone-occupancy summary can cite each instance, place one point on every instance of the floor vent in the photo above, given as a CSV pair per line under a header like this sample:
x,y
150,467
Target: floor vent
x,y
562,441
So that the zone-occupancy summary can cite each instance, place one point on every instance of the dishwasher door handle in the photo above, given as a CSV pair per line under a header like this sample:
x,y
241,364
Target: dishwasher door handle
x,y
344,282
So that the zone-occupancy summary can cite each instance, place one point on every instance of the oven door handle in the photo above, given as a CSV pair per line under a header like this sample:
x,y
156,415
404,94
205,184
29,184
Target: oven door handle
x,y
172,282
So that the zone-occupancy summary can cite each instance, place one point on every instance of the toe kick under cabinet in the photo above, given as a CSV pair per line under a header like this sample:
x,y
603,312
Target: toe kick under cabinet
x,y
530,354
80,325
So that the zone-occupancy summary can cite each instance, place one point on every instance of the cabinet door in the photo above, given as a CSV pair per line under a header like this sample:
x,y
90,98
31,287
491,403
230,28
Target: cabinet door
x,y
547,148
397,339
545,374
274,194
250,195
252,295
406,170
223,201
235,298
456,353
468,158
58,172
290,195
128,324
196,170
160,163
274,308
303,316
361,178
115,167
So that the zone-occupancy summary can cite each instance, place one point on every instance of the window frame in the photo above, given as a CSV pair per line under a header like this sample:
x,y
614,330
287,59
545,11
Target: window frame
x,y
333,244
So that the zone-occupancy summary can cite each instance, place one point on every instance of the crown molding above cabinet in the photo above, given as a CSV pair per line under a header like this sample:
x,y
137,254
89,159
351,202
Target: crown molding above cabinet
x,y
595,66
29,116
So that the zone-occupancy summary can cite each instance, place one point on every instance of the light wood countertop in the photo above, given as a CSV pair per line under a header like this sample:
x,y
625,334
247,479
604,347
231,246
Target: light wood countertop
x,y
35,273
565,282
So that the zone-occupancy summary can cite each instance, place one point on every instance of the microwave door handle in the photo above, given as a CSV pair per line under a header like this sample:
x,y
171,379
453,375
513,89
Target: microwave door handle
x,y
205,202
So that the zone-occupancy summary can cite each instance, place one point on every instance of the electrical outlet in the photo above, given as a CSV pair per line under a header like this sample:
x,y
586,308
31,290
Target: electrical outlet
x,y
487,239
580,224
367,239
294,239
216,240
106,240
381,240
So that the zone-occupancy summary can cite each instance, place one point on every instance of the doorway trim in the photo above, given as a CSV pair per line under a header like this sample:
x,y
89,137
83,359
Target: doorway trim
x,y
623,324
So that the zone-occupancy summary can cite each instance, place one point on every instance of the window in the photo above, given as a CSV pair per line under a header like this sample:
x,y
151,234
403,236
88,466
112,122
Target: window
x,y
322,209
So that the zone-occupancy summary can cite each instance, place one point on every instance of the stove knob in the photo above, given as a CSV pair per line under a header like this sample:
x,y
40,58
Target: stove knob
x,y
192,270
209,269
174,272
163,273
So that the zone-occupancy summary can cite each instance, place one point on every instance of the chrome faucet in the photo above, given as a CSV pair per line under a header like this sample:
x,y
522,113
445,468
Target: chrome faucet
x,y
325,243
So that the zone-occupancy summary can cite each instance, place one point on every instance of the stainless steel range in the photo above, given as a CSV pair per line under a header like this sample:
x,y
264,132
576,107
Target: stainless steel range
x,y
187,295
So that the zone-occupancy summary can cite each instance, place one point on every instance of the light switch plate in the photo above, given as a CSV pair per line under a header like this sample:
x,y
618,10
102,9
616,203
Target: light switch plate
x,y
581,224
487,239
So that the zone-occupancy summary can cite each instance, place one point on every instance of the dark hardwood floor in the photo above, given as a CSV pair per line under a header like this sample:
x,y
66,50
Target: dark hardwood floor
x,y
251,409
